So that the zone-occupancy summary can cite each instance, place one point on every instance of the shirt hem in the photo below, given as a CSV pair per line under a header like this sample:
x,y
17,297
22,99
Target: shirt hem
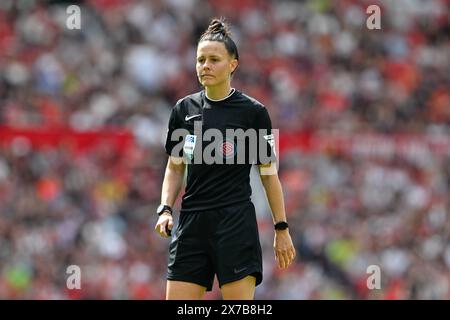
x,y
206,208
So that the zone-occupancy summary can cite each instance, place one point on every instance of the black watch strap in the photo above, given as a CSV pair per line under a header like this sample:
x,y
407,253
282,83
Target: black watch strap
x,y
163,208
282,225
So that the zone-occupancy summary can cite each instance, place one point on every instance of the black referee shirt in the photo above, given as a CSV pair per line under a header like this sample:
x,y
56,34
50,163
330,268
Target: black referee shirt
x,y
216,185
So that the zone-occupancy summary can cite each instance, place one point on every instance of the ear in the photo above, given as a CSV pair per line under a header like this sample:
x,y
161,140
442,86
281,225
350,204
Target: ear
x,y
234,64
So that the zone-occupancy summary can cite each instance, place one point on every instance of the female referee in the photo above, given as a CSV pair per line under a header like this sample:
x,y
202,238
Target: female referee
x,y
217,232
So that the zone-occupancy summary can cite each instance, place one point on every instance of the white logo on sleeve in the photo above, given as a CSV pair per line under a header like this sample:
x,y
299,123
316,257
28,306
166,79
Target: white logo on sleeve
x,y
189,145
271,141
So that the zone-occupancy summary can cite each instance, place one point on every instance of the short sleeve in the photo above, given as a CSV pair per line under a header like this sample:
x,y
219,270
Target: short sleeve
x,y
266,139
174,123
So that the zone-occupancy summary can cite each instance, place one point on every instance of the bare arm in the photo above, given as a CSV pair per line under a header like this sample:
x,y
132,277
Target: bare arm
x,y
274,192
283,246
173,181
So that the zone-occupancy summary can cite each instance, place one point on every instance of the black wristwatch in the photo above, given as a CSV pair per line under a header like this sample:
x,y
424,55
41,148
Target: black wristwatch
x,y
282,225
162,208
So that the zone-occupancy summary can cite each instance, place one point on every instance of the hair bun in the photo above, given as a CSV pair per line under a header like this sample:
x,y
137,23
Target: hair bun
x,y
218,26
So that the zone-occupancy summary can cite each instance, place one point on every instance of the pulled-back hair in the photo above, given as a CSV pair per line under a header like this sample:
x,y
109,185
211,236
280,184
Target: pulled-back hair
x,y
218,30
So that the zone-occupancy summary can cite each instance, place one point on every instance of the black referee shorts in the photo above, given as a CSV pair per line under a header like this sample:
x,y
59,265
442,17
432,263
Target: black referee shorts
x,y
221,241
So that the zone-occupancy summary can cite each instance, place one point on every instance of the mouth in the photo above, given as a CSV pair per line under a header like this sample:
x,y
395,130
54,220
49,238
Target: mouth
x,y
206,75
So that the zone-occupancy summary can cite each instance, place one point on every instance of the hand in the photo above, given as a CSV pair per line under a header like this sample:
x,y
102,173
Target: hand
x,y
284,249
164,225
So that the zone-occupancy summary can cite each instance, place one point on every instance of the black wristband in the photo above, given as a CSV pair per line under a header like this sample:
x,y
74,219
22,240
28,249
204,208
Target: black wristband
x,y
163,208
282,225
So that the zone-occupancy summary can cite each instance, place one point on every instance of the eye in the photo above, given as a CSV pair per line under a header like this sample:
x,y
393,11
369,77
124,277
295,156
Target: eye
x,y
200,60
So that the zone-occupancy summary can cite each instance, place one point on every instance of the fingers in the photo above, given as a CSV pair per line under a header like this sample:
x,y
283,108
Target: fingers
x,y
285,257
160,228
283,260
168,230
280,259
164,227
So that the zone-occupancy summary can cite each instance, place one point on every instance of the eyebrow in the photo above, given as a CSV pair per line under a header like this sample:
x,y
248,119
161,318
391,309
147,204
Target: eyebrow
x,y
212,55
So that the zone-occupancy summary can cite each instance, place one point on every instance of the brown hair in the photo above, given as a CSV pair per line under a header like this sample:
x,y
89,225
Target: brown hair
x,y
218,30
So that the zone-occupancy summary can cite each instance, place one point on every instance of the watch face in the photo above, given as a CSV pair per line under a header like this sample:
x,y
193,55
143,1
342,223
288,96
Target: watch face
x,y
160,208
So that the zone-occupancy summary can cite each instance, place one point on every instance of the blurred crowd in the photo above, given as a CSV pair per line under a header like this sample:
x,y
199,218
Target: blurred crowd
x,y
316,67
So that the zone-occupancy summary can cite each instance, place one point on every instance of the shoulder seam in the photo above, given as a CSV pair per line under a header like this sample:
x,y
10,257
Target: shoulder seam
x,y
193,96
254,101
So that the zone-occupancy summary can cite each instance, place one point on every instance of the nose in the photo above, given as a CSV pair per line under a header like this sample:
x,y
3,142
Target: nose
x,y
206,66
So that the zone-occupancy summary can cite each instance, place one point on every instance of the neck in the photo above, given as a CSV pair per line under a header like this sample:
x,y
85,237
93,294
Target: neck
x,y
216,93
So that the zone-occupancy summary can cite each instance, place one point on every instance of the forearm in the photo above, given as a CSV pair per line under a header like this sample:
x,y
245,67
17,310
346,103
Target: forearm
x,y
274,193
173,181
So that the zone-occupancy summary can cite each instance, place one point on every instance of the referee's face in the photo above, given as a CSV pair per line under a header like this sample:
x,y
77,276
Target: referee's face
x,y
214,64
